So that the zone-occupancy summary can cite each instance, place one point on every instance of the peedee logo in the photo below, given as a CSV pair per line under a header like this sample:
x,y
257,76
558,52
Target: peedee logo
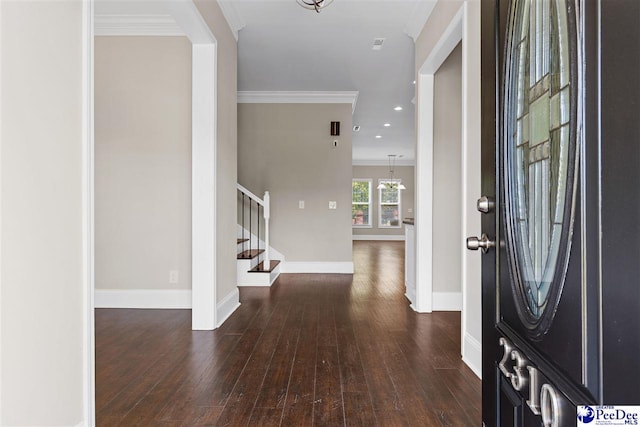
x,y
586,414
608,415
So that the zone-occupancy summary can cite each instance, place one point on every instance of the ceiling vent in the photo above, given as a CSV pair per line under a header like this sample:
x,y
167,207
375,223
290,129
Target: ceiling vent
x,y
377,43
356,128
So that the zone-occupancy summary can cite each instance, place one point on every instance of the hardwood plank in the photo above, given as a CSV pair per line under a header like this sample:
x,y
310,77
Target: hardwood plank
x,y
273,392
384,396
298,409
328,409
202,416
358,410
197,380
351,369
314,349
266,417
238,409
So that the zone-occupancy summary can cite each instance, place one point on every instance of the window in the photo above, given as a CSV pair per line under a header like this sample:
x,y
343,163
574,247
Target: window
x,y
389,204
361,203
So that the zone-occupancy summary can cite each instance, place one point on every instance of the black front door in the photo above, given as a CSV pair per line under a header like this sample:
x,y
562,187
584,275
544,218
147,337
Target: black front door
x,y
561,221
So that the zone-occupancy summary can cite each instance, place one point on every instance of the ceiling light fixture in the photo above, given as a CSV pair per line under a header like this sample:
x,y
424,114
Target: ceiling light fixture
x,y
387,125
316,5
391,184
398,108
378,136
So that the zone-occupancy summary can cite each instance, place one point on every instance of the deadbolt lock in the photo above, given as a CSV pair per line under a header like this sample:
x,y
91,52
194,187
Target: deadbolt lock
x,y
486,204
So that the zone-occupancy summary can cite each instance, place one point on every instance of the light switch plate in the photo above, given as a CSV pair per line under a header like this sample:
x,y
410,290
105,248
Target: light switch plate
x,y
300,204
333,205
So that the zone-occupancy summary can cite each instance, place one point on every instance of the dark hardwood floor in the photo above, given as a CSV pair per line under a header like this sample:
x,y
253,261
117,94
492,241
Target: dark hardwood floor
x,y
315,349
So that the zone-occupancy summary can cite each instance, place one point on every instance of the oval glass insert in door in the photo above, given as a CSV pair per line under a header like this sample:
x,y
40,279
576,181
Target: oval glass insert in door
x,y
539,154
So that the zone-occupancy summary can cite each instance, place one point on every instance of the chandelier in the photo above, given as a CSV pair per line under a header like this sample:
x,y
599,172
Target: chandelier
x,y
316,5
391,184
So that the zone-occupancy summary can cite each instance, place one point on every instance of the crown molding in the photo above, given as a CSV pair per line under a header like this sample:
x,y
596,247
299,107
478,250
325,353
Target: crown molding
x,y
385,163
421,12
137,25
298,97
231,14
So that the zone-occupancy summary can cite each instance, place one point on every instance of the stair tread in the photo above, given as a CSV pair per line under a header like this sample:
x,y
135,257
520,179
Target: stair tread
x,y
249,254
242,240
258,268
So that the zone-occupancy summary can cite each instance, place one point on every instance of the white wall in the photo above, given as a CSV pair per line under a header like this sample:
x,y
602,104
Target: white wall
x,y
405,173
447,174
286,149
142,162
41,262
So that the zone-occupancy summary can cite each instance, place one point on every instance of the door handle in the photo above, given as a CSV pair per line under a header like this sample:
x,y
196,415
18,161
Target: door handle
x,y
484,243
486,204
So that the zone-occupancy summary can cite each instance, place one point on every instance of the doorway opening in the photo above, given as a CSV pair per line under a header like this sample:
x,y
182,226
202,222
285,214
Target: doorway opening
x,y
463,30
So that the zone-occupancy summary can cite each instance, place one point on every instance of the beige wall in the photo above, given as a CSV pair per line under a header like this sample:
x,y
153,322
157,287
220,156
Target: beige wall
x,y
41,265
405,173
438,21
286,149
142,162
447,174
227,146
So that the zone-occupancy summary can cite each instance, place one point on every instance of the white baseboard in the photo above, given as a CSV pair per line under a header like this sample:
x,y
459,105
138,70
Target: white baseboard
x,y
142,298
447,301
227,306
472,354
316,267
396,237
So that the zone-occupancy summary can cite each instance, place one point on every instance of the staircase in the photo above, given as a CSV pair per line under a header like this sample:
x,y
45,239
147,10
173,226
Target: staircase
x,y
254,264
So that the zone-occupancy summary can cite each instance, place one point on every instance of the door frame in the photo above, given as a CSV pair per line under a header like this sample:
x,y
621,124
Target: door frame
x,y
204,180
465,28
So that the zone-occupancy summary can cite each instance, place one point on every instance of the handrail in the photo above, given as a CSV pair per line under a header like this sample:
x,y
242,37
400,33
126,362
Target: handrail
x,y
266,214
250,194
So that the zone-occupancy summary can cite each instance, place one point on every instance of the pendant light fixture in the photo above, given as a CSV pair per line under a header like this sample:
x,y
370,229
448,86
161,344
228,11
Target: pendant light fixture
x,y
316,5
391,183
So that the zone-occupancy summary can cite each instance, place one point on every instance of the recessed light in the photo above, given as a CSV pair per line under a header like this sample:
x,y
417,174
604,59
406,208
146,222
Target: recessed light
x,y
414,82
378,136
387,125
398,108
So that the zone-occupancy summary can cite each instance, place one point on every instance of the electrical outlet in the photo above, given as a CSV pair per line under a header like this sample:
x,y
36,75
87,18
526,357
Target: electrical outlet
x,y
300,204
333,205
173,276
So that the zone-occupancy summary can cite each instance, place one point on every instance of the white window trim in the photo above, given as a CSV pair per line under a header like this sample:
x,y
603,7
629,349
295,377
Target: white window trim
x,y
380,204
370,181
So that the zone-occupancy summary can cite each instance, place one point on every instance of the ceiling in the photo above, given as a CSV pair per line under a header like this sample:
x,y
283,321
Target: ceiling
x,y
283,47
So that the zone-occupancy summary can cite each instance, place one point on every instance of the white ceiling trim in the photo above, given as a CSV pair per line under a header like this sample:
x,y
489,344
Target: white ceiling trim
x,y
385,163
298,97
421,12
137,25
231,14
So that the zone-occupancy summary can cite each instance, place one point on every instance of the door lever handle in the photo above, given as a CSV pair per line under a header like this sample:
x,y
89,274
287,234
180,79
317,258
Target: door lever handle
x,y
484,243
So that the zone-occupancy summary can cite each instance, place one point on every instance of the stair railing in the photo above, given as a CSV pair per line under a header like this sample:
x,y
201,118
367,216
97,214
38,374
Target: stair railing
x,y
264,204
